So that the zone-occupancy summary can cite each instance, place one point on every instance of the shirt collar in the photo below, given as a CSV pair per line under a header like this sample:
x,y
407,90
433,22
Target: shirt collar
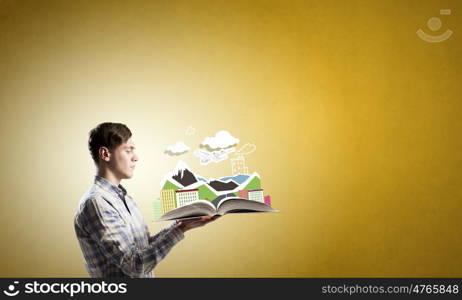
x,y
110,187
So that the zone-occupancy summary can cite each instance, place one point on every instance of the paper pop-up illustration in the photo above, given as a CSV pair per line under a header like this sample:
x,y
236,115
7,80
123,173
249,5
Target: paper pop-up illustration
x,y
186,195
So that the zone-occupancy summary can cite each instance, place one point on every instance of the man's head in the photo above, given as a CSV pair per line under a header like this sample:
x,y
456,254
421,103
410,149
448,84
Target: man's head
x,y
112,148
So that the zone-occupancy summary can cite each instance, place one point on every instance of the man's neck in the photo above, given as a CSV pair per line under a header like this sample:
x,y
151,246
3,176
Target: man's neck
x,y
109,176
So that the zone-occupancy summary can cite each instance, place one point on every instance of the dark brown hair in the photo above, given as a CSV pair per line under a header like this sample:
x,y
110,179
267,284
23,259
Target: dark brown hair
x,y
108,135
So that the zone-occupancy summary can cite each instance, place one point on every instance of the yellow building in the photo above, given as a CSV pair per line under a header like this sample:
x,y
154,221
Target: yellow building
x,y
167,199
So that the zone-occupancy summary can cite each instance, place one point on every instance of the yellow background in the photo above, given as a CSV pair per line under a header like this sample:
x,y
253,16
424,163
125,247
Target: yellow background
x,y
357,124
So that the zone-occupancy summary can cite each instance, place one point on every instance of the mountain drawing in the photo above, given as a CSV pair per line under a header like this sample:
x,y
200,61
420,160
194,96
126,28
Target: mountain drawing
x,y
223,186
185,177
182,178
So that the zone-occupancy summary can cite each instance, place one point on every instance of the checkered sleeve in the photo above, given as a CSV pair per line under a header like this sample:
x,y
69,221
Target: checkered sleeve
x,y
172,231
114,238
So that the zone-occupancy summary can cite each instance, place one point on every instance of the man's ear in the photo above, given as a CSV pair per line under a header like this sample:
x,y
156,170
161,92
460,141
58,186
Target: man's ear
x,y
104,154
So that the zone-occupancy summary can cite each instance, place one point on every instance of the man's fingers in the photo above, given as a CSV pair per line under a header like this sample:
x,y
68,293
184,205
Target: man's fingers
x,y
210,218
199,221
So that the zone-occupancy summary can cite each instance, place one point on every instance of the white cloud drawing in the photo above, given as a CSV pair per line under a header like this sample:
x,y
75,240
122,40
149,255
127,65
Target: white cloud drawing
x,y
190,130
246,149
177,149
222,139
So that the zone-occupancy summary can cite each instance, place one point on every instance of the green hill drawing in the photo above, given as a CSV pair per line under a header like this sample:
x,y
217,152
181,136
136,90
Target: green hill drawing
x,y
254,184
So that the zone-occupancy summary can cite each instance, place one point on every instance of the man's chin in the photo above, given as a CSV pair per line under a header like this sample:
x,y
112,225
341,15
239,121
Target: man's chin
x,y
128,175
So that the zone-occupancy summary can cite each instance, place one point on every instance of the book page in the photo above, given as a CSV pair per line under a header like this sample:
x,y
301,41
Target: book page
x,y
198,208
239,205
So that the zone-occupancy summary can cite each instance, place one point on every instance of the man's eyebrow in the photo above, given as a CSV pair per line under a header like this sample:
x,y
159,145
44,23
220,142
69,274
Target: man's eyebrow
x,y
130,147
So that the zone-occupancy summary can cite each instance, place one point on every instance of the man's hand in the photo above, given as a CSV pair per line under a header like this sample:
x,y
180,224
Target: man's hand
x,y
185,225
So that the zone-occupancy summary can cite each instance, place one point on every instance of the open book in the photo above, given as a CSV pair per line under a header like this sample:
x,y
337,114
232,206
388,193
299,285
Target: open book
x,y
219,206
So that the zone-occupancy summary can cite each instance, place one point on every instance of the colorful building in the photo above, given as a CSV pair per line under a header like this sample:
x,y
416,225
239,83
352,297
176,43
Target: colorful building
x,y
184,197
243,194
168,201
156,209
256,195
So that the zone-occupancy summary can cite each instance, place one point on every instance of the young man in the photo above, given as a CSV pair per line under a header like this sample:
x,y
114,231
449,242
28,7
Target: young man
x,y
113,237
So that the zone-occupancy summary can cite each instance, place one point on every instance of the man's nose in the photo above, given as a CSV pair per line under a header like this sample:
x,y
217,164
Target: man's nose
x,y
135,157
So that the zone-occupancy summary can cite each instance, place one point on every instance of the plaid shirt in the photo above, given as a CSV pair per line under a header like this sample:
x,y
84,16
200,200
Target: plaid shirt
x,y
113,237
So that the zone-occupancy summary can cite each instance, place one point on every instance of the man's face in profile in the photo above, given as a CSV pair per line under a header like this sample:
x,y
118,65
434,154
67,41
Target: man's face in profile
x,y
123,160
